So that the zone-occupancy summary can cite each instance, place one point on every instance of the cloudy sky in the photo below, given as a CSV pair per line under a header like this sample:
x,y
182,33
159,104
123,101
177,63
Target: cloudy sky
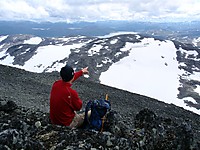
x,y
93,10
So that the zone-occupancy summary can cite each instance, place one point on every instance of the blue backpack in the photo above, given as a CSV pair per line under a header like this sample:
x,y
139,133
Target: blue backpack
x,y
98,108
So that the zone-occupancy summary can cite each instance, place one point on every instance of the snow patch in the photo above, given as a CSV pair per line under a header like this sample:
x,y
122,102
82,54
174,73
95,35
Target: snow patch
x,y
46,55
190,99
25,51
63,39
1,46
189,52
185,106
127,47
118,53
3,38
56,67
8,59
106,60
116,33
34,40
196,41
195,76
94,50
197,89
99,65
114,41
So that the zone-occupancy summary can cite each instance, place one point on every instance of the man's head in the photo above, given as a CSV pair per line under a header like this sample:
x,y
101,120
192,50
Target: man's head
x,y
67,73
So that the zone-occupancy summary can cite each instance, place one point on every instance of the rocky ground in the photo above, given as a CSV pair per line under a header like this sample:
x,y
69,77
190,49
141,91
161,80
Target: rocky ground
x,y
135,122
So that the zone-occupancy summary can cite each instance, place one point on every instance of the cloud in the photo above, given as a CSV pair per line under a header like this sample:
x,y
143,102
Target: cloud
x,y
11,10
93,10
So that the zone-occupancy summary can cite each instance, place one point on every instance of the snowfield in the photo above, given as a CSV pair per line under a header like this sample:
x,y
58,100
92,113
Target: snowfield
x,y
151,69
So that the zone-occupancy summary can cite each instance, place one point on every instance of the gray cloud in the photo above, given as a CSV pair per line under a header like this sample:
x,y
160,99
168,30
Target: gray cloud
x,y
93,10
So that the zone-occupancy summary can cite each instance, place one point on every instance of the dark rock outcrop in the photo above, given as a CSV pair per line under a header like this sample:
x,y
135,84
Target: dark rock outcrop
x,y
23,128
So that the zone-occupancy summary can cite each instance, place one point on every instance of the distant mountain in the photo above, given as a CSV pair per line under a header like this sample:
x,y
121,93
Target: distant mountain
x,y
182,31
167,70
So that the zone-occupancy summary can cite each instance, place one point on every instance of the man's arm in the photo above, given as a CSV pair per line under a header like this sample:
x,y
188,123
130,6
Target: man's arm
x,y
80,73
76,101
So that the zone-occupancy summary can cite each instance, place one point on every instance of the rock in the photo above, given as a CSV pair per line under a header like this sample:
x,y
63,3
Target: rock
x,y
38,124
150,132
7,106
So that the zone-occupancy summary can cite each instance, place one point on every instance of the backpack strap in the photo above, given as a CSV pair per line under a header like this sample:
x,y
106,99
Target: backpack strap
x,y
87,108
104,117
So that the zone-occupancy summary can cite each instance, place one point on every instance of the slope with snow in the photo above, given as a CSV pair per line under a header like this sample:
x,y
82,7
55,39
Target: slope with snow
x,y
165,70
151,69
45,57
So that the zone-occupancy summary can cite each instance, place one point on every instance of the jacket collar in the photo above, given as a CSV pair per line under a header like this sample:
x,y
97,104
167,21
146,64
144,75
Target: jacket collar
x,y
66,83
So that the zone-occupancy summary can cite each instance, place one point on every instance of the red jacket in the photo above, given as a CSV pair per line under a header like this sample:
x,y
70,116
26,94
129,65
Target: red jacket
x,y
64,101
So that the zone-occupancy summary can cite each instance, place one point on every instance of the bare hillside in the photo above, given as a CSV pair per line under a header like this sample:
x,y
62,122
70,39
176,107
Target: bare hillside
x,y
31,90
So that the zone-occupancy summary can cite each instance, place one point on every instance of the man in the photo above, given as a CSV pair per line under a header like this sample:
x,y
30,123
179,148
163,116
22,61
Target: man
x,y
64,101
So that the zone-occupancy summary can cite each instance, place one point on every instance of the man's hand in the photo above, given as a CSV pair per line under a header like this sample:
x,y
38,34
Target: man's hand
x,y
85,70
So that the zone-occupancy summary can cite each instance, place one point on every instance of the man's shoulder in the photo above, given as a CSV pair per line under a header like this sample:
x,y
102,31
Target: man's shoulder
x,y
57,82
